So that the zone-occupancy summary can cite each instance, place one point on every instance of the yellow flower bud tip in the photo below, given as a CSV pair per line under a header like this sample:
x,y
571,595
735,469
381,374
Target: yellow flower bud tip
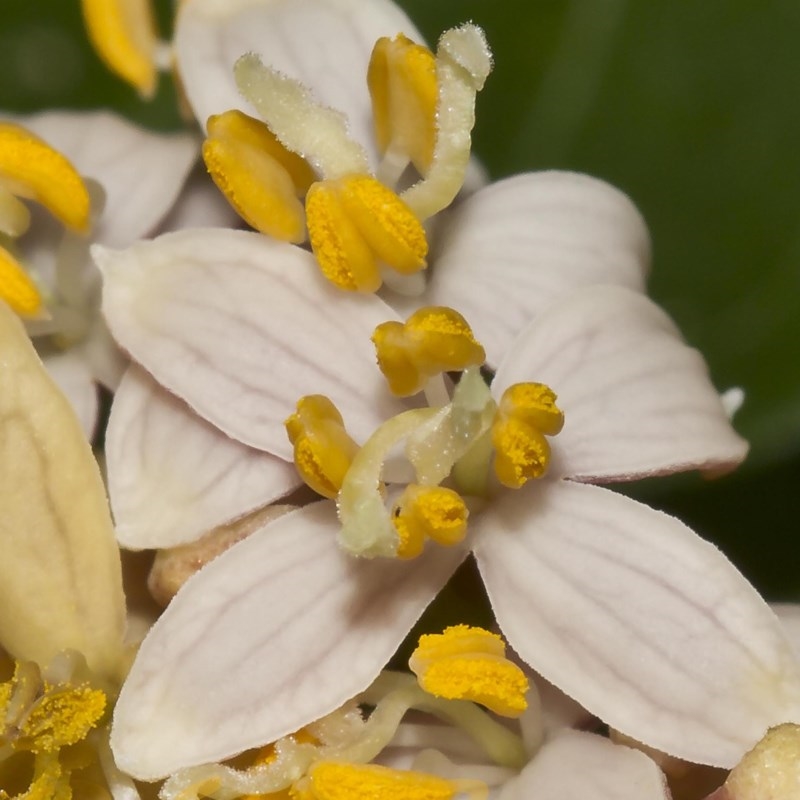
x,y
18,289
404,91
354,223
771,769
521,452
535,404
32,169
123,34
330,780
323,451
465,663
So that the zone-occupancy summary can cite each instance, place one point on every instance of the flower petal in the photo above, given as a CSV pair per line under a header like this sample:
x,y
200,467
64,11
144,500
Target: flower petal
x,y
74,379
60,575
577,765
274,633
512,249
173,477
641,621
325,44
142,172
637,401
241,327
200,205
789,615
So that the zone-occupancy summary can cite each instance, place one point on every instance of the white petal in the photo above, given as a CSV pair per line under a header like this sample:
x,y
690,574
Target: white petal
x,y
60,575
789,615
636,400
103,355
276,632
508,251
142,172
325,44
642,622
200,205
173,477
577,766
241,327
72,375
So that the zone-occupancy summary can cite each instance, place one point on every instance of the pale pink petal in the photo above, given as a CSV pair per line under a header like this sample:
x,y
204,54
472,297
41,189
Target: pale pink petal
x,y
578,766
102,354
642,622
637,401
172,476
789,615
140,171
276,632
505,254
73,377
325,44
200,205
241,327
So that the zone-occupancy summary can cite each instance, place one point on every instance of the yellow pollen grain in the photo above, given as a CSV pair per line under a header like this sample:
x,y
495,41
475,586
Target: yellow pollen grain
x,y
443,513
521,452
31,168
17,289
771,770
411,538
329,780
534,403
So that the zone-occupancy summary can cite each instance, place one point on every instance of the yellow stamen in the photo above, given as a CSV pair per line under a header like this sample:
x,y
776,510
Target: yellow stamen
x,y
433,512
434,339
32,169
17,288
771,769
402,84
329,780
356,222
123,33
526,413
465,663
323,451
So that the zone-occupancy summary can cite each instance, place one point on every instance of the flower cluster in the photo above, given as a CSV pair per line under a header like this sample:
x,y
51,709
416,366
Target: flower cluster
x,y
345,365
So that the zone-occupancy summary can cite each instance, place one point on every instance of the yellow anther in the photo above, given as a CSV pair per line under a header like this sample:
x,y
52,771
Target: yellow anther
x,y
432,512
434,339
323,451
32,169
526,414
17,289
404,91
330,780
771,770
354,224
465,663
123,33
535,404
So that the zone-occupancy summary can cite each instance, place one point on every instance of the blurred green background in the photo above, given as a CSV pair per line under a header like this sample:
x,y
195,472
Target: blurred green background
x,y
691,107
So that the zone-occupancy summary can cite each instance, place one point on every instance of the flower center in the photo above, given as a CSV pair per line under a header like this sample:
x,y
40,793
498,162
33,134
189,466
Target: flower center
x,y
453,443
31,169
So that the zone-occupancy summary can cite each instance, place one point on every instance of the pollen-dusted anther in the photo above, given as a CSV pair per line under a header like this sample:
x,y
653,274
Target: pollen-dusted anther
x,y
123,33
32,169
465,663
259,177
527,412
355,224
17,288
428,512
404,91
323,450
331,780
434,339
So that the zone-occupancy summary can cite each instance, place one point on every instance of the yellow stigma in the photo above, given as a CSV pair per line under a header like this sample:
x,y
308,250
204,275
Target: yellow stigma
x,y
771,770
465,663
123,34
404,91
431,512
31,169
323,451
260,178
17,289
355,223
330,780
526,414
434,339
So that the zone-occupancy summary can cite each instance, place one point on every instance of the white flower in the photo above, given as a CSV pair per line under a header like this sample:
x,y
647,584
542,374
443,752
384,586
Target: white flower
x,y
598,593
